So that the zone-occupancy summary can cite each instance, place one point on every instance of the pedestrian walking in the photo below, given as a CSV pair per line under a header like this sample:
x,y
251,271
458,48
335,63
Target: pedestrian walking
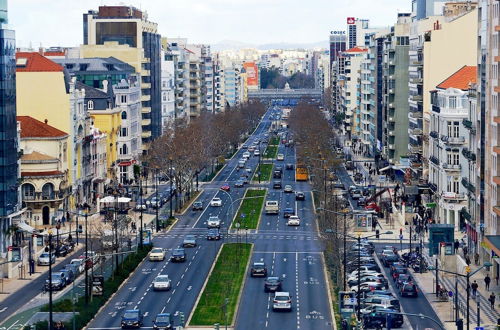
x,y
474,287
456,245
467,260
491,299
487,281
465,250
496,279
476,258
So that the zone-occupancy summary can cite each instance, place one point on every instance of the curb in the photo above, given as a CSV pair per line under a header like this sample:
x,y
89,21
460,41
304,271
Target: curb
x,y
329,285
201,191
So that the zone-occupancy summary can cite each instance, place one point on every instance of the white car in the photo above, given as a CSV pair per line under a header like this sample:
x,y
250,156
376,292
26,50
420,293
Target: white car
x,y
79,264
216,201
246,154
139,207
162,282
282,301
280,157
364,285
256,153
293,220
213,222
157,254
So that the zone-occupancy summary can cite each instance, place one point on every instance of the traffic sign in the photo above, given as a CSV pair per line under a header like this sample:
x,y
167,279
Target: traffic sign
x,y
479,328
450,293
400,236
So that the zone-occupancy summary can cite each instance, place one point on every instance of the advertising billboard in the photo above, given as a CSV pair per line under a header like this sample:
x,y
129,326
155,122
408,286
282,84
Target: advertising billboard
x,y
252,74
351,20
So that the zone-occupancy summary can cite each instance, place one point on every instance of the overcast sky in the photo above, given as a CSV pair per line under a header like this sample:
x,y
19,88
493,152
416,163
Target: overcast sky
x,y
59,22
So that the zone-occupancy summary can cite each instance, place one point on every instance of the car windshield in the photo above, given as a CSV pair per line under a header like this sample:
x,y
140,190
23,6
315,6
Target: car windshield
x,y
197,203
156,250
212,232
273,279
258,264
56,276
130,315
281,298
190,237
162,279
163,319
178,251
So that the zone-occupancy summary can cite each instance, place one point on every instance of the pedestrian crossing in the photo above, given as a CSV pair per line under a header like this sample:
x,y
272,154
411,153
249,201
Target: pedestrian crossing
x,y
250,236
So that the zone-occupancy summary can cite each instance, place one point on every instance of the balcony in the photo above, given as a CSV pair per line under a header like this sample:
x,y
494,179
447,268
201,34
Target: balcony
x,y
452,140
391,105
451,167
415,131
391,133
467,185
436,108
434,160
418,63
466,214
415,115
416,98
453,196
468,125
434,135
416,80
415,149
469,154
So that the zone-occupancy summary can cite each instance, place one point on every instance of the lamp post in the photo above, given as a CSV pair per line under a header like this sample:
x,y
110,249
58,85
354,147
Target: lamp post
x,y
157,204
141,214
467,277
358,239
171,185
51,321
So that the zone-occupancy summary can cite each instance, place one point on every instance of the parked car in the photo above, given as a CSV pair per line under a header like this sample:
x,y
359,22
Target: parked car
x,y
367,286
300,196
258,269
272,284
178,255
162,282
198,205
131,319
378,316
216,201
79,263
189,241
58,281
157,254
381,300
73,268
68,275
213,234
163,321
45,259
141,206
282,301
356,194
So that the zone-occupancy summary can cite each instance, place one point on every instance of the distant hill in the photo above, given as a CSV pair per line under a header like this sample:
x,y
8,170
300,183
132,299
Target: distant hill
x,y
231,44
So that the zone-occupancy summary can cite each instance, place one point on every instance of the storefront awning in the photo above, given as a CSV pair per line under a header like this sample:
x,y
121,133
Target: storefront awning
x,y
492,242
25,227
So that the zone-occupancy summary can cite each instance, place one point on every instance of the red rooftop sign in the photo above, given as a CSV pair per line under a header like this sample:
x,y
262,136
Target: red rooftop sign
x,y
351,20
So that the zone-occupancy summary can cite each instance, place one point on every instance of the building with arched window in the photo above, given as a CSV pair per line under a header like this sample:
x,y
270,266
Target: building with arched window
x,y
44,171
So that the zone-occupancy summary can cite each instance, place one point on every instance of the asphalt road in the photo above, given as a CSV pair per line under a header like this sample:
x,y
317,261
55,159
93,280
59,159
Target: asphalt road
x,y
188,277
295,255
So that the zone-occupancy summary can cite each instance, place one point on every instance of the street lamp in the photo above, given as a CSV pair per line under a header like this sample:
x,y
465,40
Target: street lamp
x,y
358,239
467,277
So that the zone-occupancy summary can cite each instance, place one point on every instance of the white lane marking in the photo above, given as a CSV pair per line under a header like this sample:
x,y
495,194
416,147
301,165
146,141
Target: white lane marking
x,y
205,210
297,288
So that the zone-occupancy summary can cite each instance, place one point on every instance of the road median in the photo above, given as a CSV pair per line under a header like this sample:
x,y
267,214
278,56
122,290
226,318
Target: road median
x,y
249,212
219,300
264,171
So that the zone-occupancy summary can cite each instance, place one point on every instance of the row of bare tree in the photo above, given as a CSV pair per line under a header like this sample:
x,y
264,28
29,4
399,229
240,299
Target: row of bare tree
x,y
202,143
314,139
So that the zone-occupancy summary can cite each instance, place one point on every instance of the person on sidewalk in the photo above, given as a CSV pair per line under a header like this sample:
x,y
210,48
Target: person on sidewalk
x,y
496,279
487,281
476,258
491,299
456,245
474,287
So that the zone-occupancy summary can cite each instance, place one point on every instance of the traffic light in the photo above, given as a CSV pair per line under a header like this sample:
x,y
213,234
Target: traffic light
x,y
460,324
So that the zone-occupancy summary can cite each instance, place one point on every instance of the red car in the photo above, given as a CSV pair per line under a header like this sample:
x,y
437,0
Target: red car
x,y
225,187
372,206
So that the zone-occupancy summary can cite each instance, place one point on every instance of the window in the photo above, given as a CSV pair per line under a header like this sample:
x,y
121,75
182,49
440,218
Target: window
x,y
123,99
124,150
124,132
124,114
28,191
90,105
48,191
452,102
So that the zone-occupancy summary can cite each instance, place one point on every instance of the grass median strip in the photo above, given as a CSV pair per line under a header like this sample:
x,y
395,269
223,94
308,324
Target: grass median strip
x,y
225,282
250,209
271,152
265,172
274,141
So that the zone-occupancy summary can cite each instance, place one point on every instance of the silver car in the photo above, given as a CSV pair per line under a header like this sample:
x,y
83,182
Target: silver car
x,y
162,282
189,241
45,259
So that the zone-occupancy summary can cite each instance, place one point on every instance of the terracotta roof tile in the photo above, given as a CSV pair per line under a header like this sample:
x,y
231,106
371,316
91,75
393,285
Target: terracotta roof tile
x,y
35,155
461,79
35,63
355,50
31,127
46,173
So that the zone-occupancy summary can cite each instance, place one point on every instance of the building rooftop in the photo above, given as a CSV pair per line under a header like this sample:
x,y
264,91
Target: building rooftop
x,y
355,50
36,156
34,62
91,92
33,128
462,79
95,65
45,173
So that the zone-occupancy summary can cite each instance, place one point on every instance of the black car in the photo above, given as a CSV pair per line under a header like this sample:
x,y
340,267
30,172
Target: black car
x,y
197,206
408,290
300,196
277,174
163,321
402,279
131,319
272,284
62,250
277,184
398,271
244,178
287,212
178,255
289,166
389,259
380,316
68,274
58,282
213,234
258,269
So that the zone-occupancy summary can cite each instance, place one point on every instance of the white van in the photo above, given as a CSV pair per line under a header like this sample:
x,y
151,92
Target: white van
x,y
272,207
241,164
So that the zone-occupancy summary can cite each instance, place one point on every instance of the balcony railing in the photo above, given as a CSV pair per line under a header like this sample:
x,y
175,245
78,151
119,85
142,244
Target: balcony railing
x,y
452,140
436,108
467,185
466,213
469,154
452,167
434,160
468,125
434,134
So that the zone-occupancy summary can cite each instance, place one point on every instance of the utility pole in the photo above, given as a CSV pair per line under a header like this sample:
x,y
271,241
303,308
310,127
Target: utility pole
x,y
157,204
142,203
51,320
171,188
86,259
